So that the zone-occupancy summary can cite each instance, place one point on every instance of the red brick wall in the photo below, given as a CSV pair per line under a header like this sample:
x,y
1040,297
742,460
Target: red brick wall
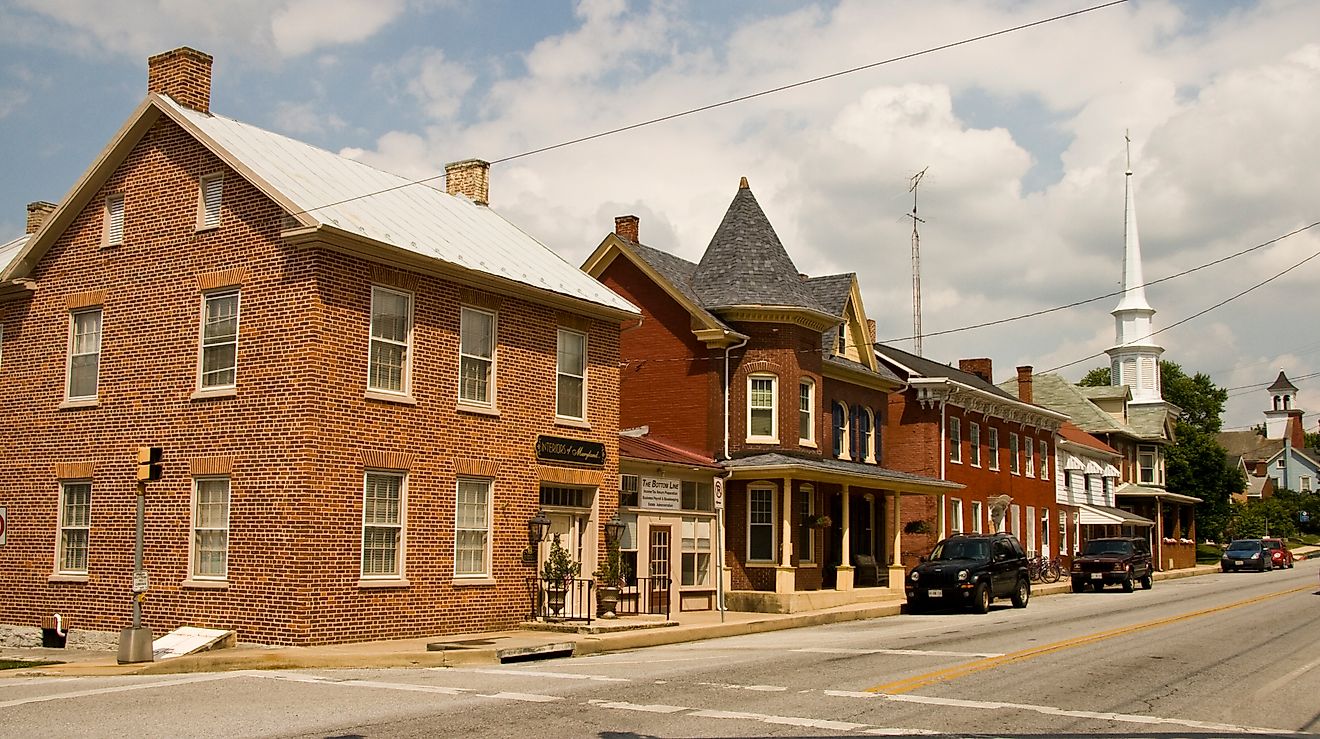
x,y
791,354
296,429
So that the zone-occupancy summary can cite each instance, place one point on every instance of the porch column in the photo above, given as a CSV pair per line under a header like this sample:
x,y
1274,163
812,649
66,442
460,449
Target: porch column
x,y
1159,534
843,574
894,526
785,576
940,517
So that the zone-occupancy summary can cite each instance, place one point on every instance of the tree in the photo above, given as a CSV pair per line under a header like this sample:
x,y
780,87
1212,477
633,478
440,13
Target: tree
x,y
1195,464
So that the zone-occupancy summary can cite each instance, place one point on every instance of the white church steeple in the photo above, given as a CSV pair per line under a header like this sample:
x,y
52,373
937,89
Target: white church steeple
x,y
1134,360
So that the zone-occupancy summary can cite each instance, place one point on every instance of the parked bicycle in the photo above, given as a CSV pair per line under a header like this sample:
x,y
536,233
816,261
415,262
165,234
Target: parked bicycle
x,y
1044,569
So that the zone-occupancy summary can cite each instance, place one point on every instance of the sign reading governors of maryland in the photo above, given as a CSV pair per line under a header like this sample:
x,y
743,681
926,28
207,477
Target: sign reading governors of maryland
x,y
574,451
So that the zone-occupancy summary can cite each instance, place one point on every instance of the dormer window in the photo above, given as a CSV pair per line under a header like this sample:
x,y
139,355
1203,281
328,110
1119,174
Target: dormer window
x,y
208,203
842,342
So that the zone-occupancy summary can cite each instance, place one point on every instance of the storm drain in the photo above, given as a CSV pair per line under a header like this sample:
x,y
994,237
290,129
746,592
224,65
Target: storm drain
x,y
540,651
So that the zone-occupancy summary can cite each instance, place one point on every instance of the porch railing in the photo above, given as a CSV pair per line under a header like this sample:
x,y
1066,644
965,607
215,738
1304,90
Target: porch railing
x,y
648,595
570,600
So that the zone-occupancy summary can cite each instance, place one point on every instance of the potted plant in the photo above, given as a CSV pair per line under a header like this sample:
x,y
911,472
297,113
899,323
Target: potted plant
x,y
610,577
558,573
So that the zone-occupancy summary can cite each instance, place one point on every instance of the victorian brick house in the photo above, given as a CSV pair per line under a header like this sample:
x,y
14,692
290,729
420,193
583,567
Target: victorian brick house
x,y
742,358
955,423
364,388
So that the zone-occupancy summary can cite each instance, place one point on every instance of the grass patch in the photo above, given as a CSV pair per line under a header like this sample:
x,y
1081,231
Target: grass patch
x,y
1208,554
18,664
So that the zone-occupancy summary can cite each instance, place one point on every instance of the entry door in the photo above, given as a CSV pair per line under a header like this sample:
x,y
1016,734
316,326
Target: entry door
x,y
660,568
572,530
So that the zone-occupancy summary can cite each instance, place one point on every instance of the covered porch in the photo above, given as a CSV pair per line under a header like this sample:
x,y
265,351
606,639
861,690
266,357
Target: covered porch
x,y
1173,536
810,533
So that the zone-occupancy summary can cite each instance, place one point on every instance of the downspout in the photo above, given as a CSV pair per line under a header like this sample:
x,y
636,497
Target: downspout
x,y
727,350
944,472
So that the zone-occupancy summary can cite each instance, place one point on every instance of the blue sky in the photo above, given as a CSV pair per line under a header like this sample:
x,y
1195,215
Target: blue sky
x,y
1022,134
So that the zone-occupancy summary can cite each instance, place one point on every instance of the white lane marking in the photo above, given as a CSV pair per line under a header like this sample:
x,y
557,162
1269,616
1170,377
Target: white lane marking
x,y
913,652
534,673
644,708
10,682
1052,711
1273,685
603,661
525,697
414,688
760,688
808,723
123,688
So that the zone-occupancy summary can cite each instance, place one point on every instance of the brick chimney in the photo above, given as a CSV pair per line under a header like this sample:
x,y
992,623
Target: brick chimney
x,y
979,367
625,227
470,177
1024,384
184,74
36,215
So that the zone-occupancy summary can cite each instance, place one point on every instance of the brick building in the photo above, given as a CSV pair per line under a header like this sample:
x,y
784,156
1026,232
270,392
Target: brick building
x,y
364,388
955,423
742,358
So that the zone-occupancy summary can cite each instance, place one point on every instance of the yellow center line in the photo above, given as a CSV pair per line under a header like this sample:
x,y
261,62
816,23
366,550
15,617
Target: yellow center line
x,y
951,673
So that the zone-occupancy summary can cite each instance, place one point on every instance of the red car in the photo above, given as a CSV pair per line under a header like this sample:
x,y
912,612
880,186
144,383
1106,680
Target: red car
x,y
1278,552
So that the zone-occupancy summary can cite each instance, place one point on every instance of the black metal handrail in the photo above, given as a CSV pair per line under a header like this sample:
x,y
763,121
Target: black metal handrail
x,y
566,600
647,595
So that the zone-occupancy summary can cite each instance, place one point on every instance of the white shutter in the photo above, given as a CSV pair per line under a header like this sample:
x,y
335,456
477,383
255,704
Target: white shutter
x,y
211,192
114,211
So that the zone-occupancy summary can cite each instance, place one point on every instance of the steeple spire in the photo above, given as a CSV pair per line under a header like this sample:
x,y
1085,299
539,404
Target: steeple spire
x,y
1135,359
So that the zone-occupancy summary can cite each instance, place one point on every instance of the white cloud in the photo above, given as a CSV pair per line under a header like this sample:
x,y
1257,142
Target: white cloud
x,y
305,118
302,26
437,83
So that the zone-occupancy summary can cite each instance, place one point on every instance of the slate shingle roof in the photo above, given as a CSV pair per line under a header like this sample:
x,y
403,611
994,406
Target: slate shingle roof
x,y
1282,383
1052,391
677,271
922,367
745,263
831,291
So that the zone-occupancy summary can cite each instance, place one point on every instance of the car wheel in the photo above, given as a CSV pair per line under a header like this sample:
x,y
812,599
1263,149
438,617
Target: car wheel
x,y
1148,581
1078,586
981,598
1127,584
1022,593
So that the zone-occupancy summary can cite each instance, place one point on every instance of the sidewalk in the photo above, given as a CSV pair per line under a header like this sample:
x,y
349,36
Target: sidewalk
x,y
489,648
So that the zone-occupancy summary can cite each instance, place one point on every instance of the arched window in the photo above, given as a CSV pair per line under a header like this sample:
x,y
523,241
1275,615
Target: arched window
x,y
864,453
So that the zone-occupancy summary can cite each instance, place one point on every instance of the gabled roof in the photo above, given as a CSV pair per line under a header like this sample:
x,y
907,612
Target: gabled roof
x,y
677,272
832,291
910,366
746,265
1106,392
335,195
1149,421
1052,391
1249,445
1070,432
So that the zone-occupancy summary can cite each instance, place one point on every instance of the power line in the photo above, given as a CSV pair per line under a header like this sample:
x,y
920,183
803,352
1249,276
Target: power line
x,y
1199,313
1115,293
744,98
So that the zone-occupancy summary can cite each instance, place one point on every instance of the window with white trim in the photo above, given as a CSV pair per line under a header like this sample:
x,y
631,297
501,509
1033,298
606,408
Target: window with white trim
x,y
391,340
75,527
571,381
114,220
761,522
219,340
1146,463
382,525
472,529
977,517
840,417
1282,463
762,418
208,201
992,434
696,496
476,356
1030,450
84,353
974,445
210,521
872,433
1044,460
955,440
1014,464
696,570
807,411
1306,483
956,516
629,490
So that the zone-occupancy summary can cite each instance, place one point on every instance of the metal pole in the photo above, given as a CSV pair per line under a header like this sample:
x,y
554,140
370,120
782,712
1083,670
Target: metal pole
x,y
137,550
135,641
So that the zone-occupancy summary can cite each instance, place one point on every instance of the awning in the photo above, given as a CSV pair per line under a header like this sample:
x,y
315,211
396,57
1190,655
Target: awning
x,y
1129,490
1093,467
774,465
1103,515
1111,471
1072,463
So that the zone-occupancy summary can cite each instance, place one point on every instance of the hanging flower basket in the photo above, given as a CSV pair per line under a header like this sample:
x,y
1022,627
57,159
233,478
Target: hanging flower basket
x,y
821,522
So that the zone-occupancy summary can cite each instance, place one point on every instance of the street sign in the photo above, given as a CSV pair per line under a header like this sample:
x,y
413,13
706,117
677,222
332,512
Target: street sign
x,y
719,493
140,582
4,525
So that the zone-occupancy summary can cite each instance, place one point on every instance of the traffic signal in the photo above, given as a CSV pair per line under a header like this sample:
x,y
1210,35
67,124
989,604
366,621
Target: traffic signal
x,y
148,459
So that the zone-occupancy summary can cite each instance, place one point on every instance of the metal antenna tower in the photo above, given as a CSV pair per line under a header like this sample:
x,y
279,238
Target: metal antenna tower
x,y
916,264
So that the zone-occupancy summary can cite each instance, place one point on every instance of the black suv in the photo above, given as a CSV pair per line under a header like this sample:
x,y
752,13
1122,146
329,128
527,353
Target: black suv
x,y
970,569
1114,561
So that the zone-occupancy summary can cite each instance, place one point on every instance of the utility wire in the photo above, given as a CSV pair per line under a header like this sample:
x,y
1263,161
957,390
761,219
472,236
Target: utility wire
x,y
1223,302
1116,293
744,98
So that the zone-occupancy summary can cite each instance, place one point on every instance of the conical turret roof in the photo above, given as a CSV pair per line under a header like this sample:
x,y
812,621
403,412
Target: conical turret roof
x,y
1282,383
745,263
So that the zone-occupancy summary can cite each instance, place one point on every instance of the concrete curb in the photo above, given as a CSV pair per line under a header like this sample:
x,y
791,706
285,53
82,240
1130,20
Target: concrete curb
x,y
415,653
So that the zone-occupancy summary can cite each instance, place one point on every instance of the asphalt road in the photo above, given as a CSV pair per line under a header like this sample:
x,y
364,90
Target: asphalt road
x,y
1219,655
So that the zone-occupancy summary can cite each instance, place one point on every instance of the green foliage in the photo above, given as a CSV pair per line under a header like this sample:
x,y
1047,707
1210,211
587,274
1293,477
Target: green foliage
x,y
1269,517
559,567
613,571
1201,401
1097,377
1313,440
1197,465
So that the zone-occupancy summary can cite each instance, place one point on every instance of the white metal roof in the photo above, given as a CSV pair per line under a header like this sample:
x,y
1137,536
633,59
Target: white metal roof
x,y
10,250
390,209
